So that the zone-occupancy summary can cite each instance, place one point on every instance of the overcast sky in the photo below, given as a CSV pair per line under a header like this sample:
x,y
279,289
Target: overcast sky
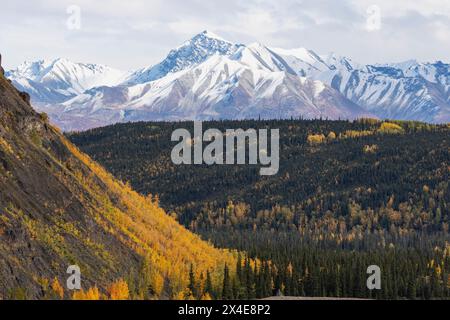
x,y
127,34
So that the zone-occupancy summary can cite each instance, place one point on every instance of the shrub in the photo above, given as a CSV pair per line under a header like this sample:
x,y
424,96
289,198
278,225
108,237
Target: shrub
x,y
118,290
389,127
315,138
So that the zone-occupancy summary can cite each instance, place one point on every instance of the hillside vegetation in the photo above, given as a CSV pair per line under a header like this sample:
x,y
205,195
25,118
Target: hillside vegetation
x,y
347,195
59,208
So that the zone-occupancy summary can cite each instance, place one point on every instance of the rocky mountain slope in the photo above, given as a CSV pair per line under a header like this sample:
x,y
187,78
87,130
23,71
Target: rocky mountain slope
x,y
59,208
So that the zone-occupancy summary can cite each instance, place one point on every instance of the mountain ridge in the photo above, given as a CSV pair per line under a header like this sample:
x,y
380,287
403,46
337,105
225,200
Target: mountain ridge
x,y
405,91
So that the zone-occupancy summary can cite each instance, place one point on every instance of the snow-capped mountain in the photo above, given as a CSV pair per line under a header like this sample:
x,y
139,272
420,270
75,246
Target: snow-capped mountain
x,y
208,77
223,87
54,81
235,83
409,90
391,92
192,52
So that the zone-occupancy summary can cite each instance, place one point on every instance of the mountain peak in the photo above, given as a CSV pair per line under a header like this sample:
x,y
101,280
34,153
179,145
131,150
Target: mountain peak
x,y
207,40
62,77
192,52
210,35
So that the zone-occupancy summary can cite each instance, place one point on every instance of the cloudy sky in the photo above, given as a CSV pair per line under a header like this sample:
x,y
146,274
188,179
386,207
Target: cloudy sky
x,y
134,33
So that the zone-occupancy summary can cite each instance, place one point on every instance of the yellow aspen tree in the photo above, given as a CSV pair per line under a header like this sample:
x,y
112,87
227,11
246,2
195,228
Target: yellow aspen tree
x,y
118,290
90,294
57,288
206,296
93,294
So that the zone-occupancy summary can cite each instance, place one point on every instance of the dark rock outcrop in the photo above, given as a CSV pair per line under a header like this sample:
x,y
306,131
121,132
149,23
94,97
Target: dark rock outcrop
x,y
2,71
25,96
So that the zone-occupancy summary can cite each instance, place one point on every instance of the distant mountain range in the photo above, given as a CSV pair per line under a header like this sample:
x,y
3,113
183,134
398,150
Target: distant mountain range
x,y
208,77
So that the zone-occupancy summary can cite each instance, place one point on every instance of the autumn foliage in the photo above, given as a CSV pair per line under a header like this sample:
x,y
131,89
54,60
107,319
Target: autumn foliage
x,y
389,127
91,294
118,290
57,288
167,249
316,138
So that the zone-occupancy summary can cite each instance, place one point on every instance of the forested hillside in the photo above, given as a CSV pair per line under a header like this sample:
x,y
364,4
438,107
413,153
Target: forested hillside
x,y
59,208
347,195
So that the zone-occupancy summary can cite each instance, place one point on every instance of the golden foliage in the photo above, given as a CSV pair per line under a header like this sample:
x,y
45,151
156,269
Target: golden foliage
x,y
179,296
206,296
389,127
315,138
188,295
355,133
118,290
331,136
6,146
384,128
57,288
91,294
140,224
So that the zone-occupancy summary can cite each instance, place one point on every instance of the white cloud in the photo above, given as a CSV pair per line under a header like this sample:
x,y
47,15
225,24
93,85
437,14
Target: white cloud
x,y
133,33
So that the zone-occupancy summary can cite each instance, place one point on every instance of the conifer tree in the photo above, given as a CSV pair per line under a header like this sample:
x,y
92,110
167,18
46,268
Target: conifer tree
x,y
208,285
192,283
227,290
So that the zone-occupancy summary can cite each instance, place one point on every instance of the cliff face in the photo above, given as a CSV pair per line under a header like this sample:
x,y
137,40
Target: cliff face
x,y
59,208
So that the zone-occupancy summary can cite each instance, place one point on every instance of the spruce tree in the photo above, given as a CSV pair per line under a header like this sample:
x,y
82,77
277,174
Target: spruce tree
x,y
227,290
208,285
192,283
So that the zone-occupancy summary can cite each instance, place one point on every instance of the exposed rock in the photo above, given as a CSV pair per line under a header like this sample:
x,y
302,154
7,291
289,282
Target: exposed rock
x,y
2,71
25,96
